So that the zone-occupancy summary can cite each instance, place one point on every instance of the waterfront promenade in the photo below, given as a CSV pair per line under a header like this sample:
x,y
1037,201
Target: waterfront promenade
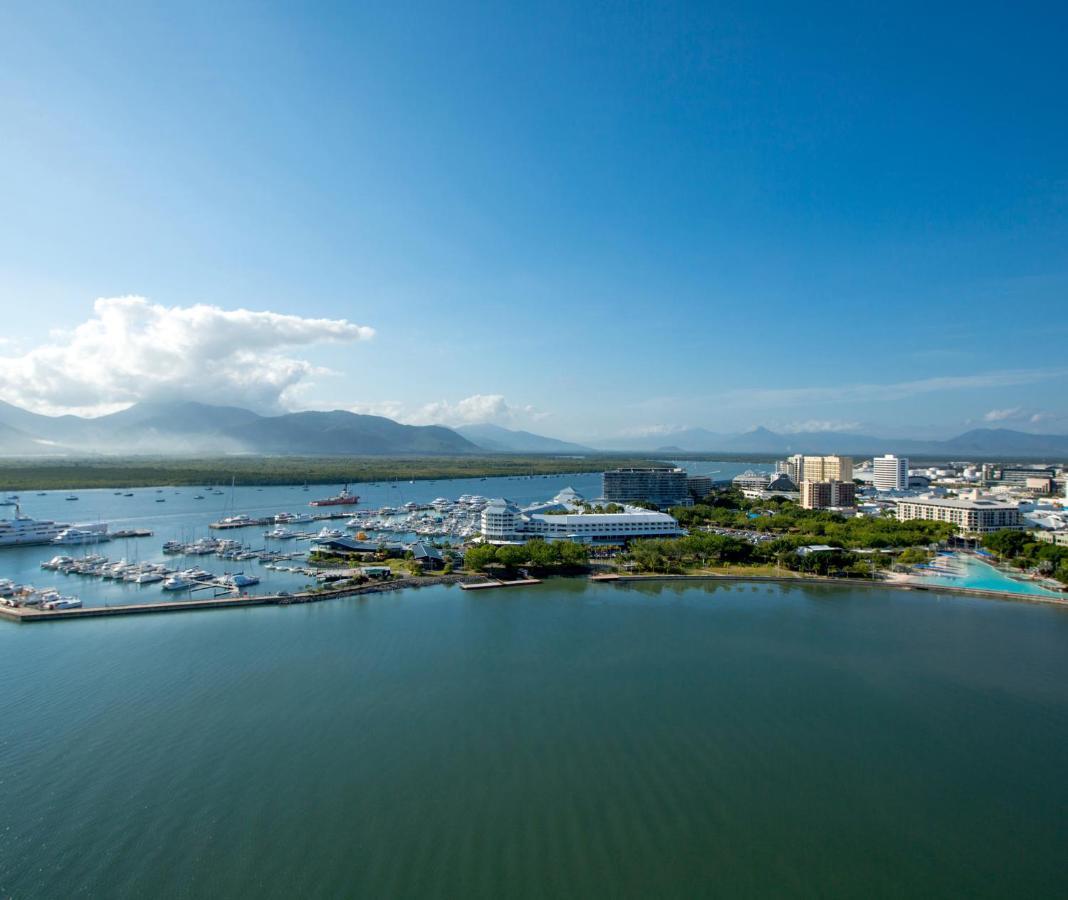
x,y
469,581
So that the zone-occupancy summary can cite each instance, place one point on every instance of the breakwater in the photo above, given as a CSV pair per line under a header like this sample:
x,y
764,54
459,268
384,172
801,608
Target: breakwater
x,y
27,615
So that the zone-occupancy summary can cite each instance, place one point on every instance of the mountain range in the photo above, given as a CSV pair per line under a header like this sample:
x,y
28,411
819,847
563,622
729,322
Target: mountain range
x,y
979,442
189,427
185,428
507,440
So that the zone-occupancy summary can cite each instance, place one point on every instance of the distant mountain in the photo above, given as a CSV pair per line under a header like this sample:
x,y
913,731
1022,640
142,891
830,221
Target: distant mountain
x,y
986,442
1004,441
186,427
693,440
507,440
340,433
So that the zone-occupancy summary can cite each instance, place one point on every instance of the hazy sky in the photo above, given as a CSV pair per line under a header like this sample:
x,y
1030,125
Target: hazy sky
x,y
586,219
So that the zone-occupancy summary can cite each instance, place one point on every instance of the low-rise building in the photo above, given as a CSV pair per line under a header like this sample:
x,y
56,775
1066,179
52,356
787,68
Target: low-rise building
x,y
570,520
751,481
971,514
1057,538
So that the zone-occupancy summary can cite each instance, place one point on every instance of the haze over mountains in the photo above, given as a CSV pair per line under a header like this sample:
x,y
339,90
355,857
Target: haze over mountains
x,y
183,428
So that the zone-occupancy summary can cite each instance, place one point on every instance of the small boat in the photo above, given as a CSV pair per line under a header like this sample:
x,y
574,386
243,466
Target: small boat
x,y
199,497
161,499
71,497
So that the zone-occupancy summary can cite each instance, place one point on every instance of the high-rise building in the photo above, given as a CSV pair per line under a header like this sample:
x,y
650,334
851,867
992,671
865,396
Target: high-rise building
x,y
792,466
662,486
700,486
827,468
827,494
890,473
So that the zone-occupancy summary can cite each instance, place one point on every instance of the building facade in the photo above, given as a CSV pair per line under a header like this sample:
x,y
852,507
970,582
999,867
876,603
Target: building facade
x,y
662,486
971,515
700,486
828,494
827,468
751,481
890,473
504,522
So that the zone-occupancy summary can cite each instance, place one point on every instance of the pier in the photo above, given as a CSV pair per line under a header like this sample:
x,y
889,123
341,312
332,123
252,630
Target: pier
x,y
487,585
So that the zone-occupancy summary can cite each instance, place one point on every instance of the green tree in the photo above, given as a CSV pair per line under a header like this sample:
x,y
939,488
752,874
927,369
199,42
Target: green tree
x,y
478,557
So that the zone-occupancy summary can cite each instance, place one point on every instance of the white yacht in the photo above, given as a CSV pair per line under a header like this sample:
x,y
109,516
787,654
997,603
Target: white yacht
x,y
24,530
83,534
177,583
240,580
62,602
148,577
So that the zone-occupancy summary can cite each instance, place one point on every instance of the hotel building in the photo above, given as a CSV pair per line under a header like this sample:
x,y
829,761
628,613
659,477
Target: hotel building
x,y
971,515
662,486
827,468
828,494
891,473
565,519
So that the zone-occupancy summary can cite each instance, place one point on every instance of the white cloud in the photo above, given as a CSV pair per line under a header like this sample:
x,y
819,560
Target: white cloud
x,y
867,393
1018,415
474,410
132,349
1003,415
810,425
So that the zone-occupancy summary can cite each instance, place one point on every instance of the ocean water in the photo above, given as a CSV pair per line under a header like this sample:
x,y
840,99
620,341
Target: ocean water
x,y
565,740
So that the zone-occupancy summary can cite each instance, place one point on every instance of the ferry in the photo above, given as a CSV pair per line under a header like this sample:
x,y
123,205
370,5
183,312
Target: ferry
x,y
342,499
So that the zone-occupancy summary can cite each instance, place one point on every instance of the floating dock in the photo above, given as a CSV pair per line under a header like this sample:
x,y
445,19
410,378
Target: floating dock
x,y
487,585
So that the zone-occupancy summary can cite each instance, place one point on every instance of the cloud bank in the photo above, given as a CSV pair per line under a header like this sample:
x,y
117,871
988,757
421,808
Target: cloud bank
x,y
474,410
131,349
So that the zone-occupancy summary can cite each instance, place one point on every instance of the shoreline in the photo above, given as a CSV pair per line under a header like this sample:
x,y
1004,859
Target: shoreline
x,y
29,615
900,585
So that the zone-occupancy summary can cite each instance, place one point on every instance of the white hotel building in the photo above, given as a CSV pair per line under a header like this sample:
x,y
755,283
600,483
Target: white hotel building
x,y
890,473
563,519
971,515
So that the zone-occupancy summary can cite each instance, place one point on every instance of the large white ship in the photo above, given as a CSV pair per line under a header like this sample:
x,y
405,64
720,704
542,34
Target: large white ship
x,y
23,530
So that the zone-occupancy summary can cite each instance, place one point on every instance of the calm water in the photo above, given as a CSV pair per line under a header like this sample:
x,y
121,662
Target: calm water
x,y
568,740
183,518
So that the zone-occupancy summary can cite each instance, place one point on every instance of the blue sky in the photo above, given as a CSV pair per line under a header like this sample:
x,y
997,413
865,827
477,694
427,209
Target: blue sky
x,y
584,219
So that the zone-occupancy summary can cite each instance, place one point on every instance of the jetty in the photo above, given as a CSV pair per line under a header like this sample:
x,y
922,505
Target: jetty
x,y
496,583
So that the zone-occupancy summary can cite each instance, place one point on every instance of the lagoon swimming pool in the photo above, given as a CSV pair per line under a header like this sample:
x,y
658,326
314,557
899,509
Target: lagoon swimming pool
x,y
979,575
